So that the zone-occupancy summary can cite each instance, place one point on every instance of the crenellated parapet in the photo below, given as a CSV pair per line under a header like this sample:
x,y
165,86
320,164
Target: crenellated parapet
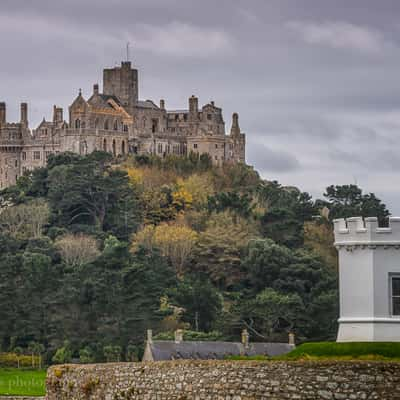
x,y
358,231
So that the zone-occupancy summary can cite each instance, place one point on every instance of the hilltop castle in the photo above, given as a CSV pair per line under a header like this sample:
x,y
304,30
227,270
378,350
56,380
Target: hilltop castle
x,y
118,122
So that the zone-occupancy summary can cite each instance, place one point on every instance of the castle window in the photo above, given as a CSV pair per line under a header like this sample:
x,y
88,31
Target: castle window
x,y
115,125
77,124
125,128
154,125
395,294
185,117
24,155
195,146
16,163
105,145
123,147
114,148
159,148
176,117
106,125
216,146
209,117
144,122
36,155
216,157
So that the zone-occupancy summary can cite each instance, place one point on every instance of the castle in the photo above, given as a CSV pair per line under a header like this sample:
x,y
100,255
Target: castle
x,y
118,122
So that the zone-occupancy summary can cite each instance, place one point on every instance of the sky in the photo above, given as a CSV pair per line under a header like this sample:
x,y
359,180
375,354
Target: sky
x,y
315,82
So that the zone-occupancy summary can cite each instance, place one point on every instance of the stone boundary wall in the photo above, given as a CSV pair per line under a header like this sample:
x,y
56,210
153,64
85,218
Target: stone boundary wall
x,y
225,380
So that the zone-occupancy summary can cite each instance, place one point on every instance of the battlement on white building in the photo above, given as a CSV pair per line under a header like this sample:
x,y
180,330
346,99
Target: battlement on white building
x,y
359,231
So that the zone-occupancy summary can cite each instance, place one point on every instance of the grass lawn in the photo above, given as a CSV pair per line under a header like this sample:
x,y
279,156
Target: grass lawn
x,y
345,351
388,351
22,382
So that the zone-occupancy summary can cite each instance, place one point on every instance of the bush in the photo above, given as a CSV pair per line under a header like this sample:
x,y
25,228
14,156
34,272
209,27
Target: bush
x,y
8,360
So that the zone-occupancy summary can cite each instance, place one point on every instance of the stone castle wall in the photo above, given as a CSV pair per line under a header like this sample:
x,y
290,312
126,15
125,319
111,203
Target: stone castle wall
x,y
225,380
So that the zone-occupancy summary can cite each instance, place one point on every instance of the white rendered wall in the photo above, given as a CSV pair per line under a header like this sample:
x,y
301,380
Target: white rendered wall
x,y
368,256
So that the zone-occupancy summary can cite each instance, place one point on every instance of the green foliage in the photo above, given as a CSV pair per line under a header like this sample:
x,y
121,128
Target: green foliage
x,y
63,354
220,249
349,201
200,300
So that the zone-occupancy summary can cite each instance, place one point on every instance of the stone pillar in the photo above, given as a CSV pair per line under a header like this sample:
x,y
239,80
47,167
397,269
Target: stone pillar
x,y
245,338
292,341
179,336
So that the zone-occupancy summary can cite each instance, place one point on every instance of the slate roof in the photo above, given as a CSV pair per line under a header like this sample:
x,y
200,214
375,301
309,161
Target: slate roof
x,y
163,350
146,104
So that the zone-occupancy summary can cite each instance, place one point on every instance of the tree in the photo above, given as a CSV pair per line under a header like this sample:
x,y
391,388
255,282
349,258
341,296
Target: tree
x,y
86,355
271,312
346,201
25,220
220,248
265,261
77,250
63,354
90,192
112,353
200,301
18,352
174,240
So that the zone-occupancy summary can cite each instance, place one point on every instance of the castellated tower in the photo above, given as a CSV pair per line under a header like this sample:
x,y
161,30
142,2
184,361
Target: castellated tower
x,y
122,82
369,280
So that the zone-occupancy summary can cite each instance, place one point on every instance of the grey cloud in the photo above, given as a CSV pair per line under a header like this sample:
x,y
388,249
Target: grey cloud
x,y
271,160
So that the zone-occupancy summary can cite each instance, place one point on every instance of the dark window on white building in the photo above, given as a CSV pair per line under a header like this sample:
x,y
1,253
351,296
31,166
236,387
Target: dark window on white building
x,y
395,294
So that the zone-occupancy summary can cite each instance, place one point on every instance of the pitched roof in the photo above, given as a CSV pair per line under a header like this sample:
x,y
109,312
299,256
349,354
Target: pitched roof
x,y
169,350
146,104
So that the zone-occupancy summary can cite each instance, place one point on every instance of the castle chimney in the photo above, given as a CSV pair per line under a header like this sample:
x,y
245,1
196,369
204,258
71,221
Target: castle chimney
x,y
57,114
149,336
213,103
179,336
193,106
3,117
235,130
96,89
292,341
245,338
162,104
24,114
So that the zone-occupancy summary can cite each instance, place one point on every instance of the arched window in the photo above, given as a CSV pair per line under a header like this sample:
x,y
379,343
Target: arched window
x,y
106,125
114,148
105,145
115,125
123,147
77,124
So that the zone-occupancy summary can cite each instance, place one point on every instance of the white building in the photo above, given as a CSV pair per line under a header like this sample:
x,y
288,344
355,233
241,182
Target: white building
x,y
369,280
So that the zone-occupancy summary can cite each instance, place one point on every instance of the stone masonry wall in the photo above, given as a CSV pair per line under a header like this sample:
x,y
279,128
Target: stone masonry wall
x,y
225,380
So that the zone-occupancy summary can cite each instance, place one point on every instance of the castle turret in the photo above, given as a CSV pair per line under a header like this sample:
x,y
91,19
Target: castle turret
x,y
235,129
96,89
3,116
162,104
24,114
193,107
122,82
369,280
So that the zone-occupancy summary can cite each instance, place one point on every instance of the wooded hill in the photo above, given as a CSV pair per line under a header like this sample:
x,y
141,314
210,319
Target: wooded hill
x,y
95,251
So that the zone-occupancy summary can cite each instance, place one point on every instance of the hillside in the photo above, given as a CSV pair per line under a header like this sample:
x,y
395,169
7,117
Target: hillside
x,y
95,251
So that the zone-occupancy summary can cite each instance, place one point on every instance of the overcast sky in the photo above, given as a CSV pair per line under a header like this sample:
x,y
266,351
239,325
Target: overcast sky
x,y
316,82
